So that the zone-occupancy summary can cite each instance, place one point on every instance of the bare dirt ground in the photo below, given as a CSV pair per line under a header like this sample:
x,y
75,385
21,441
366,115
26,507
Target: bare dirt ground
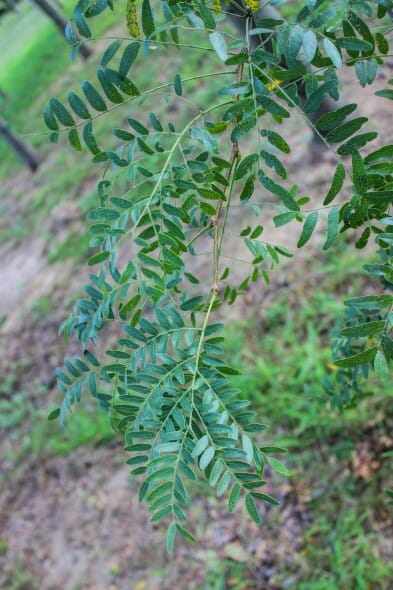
x,y
74,522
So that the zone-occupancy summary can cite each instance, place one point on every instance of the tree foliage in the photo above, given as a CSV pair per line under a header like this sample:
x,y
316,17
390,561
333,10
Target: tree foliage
x,y
166,383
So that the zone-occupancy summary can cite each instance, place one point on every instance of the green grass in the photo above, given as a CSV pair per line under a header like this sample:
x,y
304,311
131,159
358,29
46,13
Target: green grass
x,y
283,355
31,434
225,575
342,552
34,55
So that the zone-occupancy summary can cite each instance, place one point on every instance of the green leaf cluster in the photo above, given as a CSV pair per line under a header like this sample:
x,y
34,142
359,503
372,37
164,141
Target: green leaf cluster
x,y
168,192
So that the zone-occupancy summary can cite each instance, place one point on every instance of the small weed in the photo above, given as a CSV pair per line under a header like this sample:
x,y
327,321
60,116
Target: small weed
x,y
22,580
73,246
344,555
225,575
41,307
13,410
84,427
3,546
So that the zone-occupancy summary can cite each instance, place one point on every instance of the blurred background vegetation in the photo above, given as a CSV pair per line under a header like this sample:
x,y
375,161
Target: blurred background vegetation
x,y
334,518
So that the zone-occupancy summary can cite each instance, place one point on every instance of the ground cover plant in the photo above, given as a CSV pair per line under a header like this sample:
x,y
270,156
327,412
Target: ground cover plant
x,y
165,191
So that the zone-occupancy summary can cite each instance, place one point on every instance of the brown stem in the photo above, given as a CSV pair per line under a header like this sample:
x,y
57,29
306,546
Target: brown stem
x,y
215,220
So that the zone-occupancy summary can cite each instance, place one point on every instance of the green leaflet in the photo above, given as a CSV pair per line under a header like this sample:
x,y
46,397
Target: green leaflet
x,y
359,173
308,228
361,26
332,232
216,472
310,45
238,109
314,101
128,58
89,138
49,118
337,183
177,85
246,165
248,448
252,509
379,154
161,514
200,446
266,498
223,483
354,44
356,143
97,258
185,533
255,427
333,53
73,138
205,138
382,43
124,135
284,218
345,131
138,127
54,137
78,106
366,71
170,538
334,118
110,52
361,330
387,346
219,45
387,93
53,415
243,127
366,356
295,40
104,214
61,113
271,106
147,19
276,140
278,190
235,89
109,89
370,302
206,16
273,162
80,22
234,496
155,122
248,188
278,466
93,97
381,366
123,83
206,458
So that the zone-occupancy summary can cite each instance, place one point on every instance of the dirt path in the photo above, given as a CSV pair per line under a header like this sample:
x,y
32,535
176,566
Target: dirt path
x,y
75,523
